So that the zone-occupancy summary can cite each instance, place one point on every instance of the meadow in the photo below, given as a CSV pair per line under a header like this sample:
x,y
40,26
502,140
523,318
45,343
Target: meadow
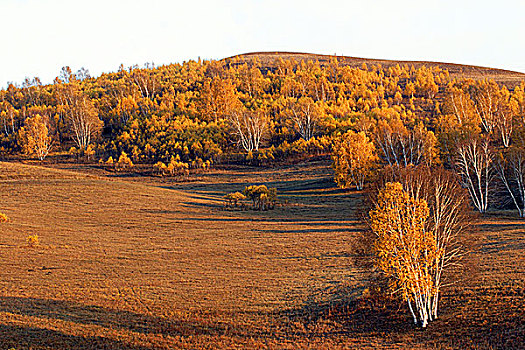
x,y
133,262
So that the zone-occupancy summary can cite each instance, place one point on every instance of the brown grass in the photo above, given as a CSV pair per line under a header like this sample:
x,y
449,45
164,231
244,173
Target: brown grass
x,y
138,263
509,78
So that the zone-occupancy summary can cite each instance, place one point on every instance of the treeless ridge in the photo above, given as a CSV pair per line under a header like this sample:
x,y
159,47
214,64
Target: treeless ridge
x,y
138,263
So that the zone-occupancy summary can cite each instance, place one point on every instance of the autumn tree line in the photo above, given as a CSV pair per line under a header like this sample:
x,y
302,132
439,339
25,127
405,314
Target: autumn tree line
x,y
192,115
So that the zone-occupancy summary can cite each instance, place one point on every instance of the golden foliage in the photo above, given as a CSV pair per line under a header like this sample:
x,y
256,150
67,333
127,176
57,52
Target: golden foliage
x,y
354,157
123,163
234,198
32,240
34,137
406,250
262,197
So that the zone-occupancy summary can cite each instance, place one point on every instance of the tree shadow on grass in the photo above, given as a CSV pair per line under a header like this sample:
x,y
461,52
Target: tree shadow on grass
x,y
108,318
18,337
356,316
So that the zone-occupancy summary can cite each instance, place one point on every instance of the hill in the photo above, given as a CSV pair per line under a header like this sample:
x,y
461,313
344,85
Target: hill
x,y
507,77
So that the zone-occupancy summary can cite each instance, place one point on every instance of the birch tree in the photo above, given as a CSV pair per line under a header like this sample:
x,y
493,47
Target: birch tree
x,y
418,218
448,219
305,115
406,251
474,162
485,96
249,127
511,171
403,147
80,113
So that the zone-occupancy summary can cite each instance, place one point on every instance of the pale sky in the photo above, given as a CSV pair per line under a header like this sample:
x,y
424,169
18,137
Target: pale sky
x,y
41,36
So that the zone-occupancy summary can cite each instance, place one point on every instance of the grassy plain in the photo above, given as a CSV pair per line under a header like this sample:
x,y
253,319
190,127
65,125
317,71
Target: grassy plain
x,y
151,263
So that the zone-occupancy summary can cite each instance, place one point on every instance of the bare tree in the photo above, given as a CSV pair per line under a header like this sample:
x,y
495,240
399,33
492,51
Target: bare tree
x,y
305,115
249,126
82,74
474,164
505,117
80,114
145,80
511,171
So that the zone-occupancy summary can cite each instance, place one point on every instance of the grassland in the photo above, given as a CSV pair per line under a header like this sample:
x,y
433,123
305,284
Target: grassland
x,y
151,263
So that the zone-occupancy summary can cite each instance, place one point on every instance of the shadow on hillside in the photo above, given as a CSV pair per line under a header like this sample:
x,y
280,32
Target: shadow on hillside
x,y
299,200
323,185
18,337
347,313
105,317
354,315
502,227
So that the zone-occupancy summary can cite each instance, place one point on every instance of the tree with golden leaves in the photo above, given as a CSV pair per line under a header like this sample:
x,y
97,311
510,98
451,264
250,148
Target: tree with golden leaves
x,y
400,145
34,137
354,157
219,98
449,217
406,250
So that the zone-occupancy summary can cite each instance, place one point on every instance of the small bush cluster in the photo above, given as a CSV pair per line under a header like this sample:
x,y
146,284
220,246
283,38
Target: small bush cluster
x,y
174,167
124,163
234,199
261,197
32,240
178,167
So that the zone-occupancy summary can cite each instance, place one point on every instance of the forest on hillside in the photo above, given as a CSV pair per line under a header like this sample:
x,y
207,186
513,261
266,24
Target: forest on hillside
x,y
186,117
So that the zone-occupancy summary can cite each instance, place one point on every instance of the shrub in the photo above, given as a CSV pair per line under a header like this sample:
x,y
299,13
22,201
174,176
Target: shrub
x,y
32,240
262,197
123,163
234,198
174,167
160,168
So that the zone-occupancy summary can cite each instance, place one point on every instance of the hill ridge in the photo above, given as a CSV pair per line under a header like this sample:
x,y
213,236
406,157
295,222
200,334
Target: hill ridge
x,y
456,70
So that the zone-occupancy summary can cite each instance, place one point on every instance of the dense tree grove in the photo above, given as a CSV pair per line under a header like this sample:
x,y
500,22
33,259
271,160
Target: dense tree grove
x,y
206,109
195,114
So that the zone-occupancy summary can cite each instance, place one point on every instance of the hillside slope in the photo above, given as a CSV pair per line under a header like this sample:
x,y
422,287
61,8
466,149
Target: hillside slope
x,y
268,59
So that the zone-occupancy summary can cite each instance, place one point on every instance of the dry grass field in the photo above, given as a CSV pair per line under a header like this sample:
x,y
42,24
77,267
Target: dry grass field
x,y
458,71
151,263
